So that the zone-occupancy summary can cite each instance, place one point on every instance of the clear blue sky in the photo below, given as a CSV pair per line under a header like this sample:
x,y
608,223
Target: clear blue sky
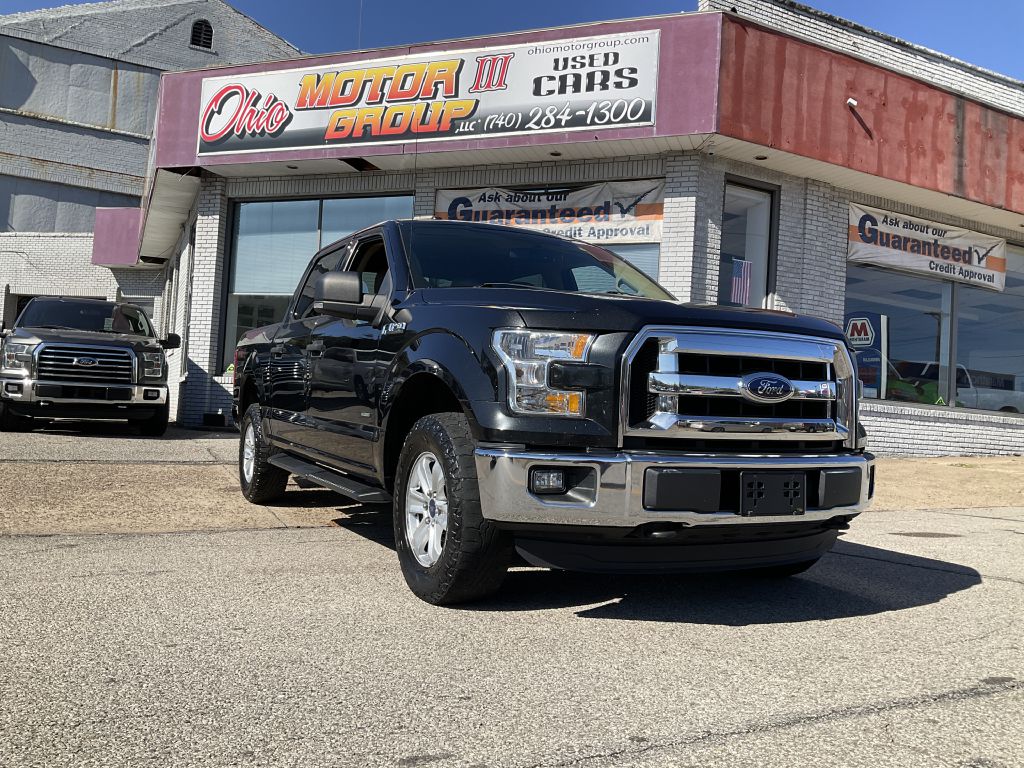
x,y
984,32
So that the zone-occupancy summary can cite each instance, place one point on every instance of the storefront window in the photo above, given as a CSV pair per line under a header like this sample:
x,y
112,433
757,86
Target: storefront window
x,y
746,245
899,327
643,256
273,242
990,342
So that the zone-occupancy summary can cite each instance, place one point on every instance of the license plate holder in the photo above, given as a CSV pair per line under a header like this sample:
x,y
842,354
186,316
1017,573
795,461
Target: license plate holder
x,y
773,493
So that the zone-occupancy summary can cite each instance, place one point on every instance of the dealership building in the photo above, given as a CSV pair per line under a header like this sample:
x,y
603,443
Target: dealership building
x,y
754,153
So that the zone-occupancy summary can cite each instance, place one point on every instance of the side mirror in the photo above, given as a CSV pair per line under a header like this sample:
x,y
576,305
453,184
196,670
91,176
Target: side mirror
x,y
341,294
173,341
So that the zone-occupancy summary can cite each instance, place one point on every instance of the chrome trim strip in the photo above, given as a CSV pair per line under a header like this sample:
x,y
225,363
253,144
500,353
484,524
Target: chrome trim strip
x,y
618,499
729,386
724,427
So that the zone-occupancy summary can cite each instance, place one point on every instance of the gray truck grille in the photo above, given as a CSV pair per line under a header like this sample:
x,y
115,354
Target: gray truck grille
x,y
71,363
697,384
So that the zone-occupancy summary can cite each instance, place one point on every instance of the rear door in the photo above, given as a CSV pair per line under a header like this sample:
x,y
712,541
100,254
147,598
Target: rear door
x,y
289,370
348,367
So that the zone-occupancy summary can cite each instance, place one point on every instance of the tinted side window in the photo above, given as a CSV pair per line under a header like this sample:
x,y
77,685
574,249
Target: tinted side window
x,y
326,263
371,262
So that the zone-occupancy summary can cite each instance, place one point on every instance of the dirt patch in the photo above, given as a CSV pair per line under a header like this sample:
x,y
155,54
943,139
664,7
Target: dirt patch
x,y
64,497
954,482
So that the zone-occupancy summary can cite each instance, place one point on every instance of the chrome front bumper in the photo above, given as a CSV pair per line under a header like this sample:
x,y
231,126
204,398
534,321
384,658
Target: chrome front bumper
x,y
29,393
615,496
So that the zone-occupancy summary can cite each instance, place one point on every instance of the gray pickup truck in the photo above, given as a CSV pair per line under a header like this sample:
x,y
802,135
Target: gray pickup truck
x,y
83,359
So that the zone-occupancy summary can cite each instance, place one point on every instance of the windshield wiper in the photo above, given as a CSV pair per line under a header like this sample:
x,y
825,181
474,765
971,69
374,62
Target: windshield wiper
x,y
59,328
515,285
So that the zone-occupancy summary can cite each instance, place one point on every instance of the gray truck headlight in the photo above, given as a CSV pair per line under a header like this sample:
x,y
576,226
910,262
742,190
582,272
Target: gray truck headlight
x,y
17,357
153,364
527,355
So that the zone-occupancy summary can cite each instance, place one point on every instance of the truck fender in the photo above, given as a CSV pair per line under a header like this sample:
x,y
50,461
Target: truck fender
x,y
446,358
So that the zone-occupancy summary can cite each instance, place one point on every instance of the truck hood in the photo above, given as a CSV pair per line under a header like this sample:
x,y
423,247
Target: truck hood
x,y
28,335
612,313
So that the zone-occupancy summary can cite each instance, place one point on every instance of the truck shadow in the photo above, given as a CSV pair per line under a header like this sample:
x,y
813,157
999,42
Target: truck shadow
x,y
852,580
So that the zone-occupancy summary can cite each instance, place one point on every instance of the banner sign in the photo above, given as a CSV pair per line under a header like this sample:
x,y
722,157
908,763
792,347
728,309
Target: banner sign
x,y
561,85
915,245
613,212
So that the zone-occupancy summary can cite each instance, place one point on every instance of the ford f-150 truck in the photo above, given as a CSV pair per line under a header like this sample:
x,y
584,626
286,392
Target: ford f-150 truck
x,y
83,359
518,395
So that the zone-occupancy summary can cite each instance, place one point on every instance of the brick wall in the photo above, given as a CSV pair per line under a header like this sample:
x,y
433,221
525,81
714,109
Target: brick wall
x,y
830,31
895,429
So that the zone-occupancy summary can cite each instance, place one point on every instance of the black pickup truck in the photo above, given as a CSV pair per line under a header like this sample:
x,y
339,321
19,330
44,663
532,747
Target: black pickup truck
x,y
517,395
70,358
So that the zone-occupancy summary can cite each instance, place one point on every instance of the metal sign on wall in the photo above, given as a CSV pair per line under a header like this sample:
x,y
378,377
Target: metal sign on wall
x,y
613,212
907,243
560,85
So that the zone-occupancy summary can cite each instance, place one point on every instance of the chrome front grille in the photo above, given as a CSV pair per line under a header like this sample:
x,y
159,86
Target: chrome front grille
x,y
71,363
697,384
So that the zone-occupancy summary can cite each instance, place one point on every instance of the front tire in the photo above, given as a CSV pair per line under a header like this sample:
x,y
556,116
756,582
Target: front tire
x,y
156,425
261,481
13,422
448,552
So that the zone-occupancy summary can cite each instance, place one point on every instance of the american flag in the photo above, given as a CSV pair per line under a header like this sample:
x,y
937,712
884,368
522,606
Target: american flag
x,y
741,270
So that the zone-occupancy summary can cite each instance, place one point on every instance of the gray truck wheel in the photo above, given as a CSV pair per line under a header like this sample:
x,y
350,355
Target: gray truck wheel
x,y
448,552
12,422
156,425
261,481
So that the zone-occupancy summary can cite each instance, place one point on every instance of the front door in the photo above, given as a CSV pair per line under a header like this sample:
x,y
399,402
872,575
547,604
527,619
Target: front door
x,y
347,369
289,370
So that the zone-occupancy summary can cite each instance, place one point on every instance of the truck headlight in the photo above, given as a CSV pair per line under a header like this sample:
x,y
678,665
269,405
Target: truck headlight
x,y
527,355
153,364
17,357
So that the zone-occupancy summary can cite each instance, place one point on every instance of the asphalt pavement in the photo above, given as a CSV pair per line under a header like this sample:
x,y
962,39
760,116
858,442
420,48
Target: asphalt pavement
x,y
301,646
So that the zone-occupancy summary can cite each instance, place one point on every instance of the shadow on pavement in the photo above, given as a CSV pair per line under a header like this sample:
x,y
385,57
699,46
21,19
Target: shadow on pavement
x,y
852,580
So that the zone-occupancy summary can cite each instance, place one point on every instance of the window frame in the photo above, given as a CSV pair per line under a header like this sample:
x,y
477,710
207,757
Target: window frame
x,y
771,267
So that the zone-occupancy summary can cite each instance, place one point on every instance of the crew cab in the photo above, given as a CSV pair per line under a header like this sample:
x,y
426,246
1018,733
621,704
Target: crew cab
x,y
83,359
518,396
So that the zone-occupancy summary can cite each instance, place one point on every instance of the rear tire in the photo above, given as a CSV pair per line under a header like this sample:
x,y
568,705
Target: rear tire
x,y
13,422
156,425
448,552
261,481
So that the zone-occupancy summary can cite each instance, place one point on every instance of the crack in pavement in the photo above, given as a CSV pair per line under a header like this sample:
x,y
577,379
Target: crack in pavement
x,y
833,715
970,572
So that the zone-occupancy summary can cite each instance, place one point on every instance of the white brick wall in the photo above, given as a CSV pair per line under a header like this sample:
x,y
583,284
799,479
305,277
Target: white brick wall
x,y
979,84
896,429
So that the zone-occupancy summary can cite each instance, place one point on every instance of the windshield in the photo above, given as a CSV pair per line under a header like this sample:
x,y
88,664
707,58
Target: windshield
x,y
465,255
97,316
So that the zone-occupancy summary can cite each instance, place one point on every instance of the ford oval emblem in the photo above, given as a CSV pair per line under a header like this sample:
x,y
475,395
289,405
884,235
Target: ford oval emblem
x,y
85,362
767,388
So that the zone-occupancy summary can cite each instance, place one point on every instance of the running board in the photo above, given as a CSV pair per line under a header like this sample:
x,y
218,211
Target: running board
x,y
328,478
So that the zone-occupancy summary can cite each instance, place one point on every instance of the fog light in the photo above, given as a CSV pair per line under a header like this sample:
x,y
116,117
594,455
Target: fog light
x,y
151,394
547,480
14,389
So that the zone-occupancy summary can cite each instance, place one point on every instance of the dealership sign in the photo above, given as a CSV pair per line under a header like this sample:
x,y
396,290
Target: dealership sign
x,y
613,212
560,85
916,245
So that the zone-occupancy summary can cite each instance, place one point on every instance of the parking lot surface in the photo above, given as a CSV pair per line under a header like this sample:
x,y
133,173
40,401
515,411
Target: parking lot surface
x,y
297,643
